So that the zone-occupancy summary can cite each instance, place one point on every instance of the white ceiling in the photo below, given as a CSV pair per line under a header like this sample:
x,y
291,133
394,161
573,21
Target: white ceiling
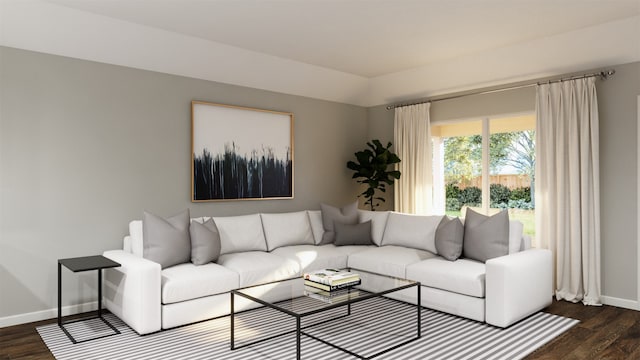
x,y
365,37
363,52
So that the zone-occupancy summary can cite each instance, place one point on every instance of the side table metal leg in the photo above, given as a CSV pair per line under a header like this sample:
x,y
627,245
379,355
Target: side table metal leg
x,y
59,294
99,293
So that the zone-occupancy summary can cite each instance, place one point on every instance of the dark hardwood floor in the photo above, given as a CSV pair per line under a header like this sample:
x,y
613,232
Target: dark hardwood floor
x,y
604,332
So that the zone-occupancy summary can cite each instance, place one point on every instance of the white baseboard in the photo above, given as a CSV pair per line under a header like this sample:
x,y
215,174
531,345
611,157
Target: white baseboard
x,y
623,303
47,314
92,306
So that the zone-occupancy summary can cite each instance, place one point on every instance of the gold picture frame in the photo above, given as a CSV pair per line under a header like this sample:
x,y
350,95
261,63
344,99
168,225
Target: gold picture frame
x,y
240,153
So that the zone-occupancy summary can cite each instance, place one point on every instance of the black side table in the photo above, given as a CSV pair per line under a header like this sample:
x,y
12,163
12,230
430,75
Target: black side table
x,y
80,264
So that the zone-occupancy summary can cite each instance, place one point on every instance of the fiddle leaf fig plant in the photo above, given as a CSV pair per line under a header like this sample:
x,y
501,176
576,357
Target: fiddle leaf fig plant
x,y
371,169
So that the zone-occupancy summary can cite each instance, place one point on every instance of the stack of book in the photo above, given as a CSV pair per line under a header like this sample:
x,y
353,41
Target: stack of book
x,y
331,279
330,297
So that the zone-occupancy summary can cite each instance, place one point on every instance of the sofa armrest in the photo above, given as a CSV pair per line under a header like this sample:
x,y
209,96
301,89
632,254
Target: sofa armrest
x,y
517,286
132,291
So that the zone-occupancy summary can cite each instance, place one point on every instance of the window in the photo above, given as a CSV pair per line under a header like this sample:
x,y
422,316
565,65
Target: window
x,y
486,164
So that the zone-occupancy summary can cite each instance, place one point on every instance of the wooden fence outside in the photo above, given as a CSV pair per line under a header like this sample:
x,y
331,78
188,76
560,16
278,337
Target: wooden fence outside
x,y
512,181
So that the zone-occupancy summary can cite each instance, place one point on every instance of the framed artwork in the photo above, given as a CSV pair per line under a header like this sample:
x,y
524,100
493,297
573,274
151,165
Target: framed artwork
x,y
240,153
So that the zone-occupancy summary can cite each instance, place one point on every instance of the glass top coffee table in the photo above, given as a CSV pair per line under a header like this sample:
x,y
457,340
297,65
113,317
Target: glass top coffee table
x,y
297,301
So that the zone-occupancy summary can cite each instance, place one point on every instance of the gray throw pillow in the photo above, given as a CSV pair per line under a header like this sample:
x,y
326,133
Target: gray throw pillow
x,y
485,237
331,214
353,234
449,238
166,241
205,242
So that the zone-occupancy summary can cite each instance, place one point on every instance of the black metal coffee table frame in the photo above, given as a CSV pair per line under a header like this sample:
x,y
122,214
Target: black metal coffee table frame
x,y
299,331
80,264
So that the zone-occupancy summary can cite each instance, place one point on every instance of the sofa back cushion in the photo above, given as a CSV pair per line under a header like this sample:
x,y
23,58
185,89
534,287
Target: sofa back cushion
x,y
240,233
135,233
315,219
378,223
414,231
516,230
287,229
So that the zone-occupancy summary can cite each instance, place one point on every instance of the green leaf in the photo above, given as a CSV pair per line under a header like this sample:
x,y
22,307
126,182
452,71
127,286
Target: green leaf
x,y
352,166
395,174
370,169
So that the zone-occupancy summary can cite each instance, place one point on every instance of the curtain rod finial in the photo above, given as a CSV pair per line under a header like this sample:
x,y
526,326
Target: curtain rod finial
x,y
607,74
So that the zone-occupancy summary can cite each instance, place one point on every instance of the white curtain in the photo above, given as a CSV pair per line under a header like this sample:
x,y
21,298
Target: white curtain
x,y
568,187
412,138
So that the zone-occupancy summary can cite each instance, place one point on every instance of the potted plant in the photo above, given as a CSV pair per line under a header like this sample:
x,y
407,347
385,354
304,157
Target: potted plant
x,y
371,169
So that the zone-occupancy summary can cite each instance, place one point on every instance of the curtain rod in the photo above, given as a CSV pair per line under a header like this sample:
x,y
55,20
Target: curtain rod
x,y
603,74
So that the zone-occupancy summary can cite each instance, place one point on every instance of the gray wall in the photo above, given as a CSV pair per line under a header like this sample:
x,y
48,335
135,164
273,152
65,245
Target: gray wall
x,y
617,101
86,147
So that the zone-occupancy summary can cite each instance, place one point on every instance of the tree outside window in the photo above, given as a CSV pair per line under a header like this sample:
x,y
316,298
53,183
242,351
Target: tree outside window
x,y
510,163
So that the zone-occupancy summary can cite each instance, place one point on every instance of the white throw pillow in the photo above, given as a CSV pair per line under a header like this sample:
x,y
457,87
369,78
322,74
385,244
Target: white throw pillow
x,y
516,229
378,223
135,231
414,231
240,233
286,229
315,218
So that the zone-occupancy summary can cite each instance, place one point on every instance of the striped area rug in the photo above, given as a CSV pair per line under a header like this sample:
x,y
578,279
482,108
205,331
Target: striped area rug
x,y
373,326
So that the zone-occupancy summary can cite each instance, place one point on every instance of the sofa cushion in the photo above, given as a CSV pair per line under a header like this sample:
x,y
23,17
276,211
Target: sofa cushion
x,y
387,260
470,307
135,231
205,242
485,237
315,219
378,223
353,234
166,241
331,214
258,267
188,281
311,257
287,229
240,233
449,237
414,231
516,230
464,276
